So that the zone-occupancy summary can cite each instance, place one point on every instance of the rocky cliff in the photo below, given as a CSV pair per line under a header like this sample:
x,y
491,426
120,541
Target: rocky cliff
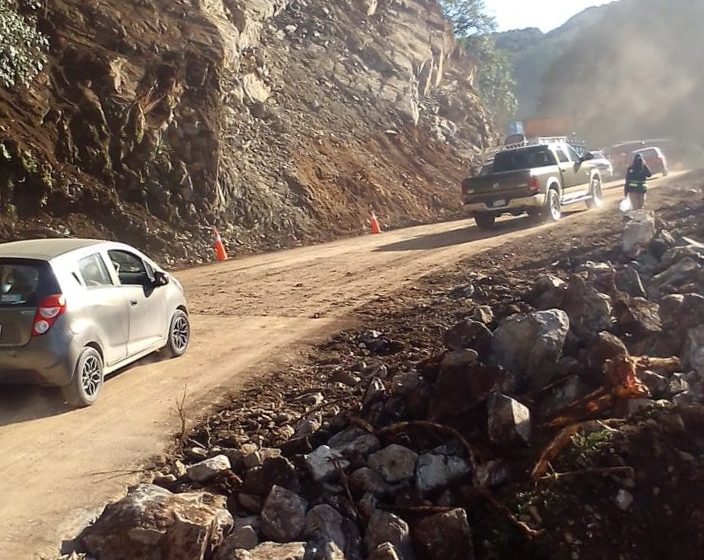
x,y
279,121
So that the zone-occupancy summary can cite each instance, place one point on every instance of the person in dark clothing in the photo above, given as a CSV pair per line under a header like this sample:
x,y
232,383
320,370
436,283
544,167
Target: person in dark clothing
x,y
636,177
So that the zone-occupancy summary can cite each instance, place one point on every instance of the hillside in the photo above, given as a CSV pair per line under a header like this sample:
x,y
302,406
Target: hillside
x,y
533,53
625,70
637,74
281,122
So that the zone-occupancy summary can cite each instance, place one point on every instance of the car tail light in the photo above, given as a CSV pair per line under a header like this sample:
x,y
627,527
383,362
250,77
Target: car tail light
x,y
49,310
534,184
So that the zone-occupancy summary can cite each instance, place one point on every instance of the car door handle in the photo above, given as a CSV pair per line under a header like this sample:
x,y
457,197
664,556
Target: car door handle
x,y
133,302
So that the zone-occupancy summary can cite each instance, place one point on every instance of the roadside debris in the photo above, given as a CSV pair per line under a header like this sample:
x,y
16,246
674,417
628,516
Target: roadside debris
x,y
536,413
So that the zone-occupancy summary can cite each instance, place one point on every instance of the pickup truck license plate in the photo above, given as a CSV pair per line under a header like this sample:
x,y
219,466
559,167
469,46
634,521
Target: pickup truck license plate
x,y
498,203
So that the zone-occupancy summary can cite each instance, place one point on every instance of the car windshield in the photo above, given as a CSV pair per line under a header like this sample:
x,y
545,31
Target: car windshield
x,y
523,158
24,282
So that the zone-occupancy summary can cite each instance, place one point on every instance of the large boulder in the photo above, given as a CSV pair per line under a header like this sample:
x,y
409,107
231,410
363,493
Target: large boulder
x,y
151,523
530,345
547,292
638,233
283,515
445,536
589,311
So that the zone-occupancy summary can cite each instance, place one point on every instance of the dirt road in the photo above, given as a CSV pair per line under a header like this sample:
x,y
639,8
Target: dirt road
x,y
59,467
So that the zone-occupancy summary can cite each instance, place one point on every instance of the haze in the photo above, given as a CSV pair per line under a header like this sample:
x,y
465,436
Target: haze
x,y
544,14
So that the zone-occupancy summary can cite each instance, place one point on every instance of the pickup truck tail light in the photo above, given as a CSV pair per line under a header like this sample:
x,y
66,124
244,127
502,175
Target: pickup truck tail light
x,y
49,310
534,184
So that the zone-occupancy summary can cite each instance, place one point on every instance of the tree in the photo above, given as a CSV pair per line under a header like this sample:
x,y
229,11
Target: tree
x,y
475,28
494,77
469,17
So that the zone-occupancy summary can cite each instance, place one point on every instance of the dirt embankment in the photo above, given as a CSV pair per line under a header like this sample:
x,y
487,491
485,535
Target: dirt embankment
x,y
280,122
539,401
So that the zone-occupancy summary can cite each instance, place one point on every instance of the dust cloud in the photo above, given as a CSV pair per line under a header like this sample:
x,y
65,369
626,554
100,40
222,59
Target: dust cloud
x,y
637,74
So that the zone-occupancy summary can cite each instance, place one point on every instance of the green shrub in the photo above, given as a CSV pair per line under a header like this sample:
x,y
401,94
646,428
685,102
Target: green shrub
x,y
22,47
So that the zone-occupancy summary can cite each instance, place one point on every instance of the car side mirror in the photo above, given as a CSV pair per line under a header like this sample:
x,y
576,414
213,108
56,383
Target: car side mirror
x,y
586,157
160,278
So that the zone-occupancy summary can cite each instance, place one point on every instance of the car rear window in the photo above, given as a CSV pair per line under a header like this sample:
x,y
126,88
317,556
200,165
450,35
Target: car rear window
x,y
524,158
25,282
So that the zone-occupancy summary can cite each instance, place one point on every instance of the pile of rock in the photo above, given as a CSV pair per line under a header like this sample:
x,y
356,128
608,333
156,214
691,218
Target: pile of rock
x,y
389,476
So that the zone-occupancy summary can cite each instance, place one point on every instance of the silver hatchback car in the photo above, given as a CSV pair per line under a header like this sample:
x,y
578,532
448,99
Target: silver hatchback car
x,y
75,310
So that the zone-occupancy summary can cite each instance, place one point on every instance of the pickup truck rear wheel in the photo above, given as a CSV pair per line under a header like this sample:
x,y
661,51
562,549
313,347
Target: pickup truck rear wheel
x,y
596,199
485,221
553,206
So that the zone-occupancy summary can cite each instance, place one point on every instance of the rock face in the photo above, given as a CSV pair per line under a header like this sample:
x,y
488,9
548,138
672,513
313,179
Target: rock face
x,y
151,523
531,345
141,124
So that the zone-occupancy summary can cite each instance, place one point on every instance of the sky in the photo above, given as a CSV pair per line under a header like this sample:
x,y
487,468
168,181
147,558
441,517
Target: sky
x,y
544,14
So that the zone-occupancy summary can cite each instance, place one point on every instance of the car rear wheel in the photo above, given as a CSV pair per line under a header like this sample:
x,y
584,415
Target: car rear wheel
x,y
553,206
87,382
596,199
485,221
179,334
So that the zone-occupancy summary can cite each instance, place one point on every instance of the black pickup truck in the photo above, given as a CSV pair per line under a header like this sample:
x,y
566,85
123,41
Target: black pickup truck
x,y
538,178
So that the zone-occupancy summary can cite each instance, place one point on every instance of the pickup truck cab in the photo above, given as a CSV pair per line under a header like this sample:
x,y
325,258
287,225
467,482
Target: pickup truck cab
x,y
537,177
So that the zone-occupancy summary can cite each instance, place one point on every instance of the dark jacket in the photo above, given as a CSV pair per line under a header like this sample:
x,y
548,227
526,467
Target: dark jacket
x,y
636,177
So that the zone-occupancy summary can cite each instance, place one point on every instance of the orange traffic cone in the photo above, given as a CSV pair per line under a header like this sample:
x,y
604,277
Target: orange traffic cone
x,y
374,224
220,252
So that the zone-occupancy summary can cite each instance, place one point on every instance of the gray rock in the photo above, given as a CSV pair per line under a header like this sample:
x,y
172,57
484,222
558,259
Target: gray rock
x,y
628,280
394,463
445,536
492,474
469,334
693,353
181,526
345,377
589,311
482,314
385,527
308,426
273,551
353,442
241,538
637,316
375,392
322,463
460,358
435,472
508,420
548,292
638,233
208,469
682,272
324,524
250,502
368,481
530,345
563,395
283,515
658,385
